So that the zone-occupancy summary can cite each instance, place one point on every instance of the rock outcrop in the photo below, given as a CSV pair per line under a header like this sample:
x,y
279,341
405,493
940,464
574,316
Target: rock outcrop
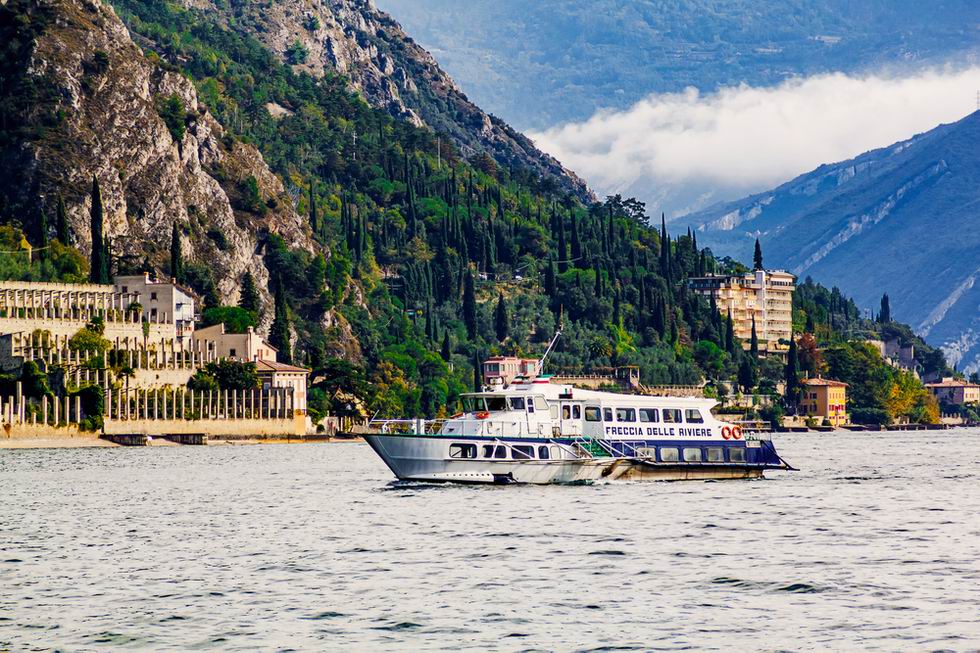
x,y
101,117
390,70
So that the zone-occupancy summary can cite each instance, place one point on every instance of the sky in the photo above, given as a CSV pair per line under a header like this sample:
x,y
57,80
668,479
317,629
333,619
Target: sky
x,y
684,151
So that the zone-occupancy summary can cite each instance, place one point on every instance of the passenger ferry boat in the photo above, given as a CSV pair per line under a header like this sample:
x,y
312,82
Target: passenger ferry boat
x,y
537,431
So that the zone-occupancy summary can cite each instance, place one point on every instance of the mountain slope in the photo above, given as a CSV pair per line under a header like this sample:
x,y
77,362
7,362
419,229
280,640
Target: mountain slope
x,y
80,100
391,71
899,220
541,63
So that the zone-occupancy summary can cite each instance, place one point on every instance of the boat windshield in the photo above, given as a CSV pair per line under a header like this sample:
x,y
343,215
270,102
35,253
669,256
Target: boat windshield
x,y
493,404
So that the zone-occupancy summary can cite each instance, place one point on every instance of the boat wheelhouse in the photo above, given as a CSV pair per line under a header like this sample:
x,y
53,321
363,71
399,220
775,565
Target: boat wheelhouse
x,y
537,431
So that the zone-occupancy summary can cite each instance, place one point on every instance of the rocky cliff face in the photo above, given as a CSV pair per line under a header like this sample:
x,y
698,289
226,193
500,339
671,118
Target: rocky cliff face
x,y
388,68
92,109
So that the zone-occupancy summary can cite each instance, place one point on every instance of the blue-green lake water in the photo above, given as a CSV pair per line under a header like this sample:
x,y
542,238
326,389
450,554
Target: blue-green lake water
x,y
873,545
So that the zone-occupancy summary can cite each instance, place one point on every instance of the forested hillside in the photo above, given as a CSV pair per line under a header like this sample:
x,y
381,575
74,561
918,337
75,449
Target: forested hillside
x,y
410,262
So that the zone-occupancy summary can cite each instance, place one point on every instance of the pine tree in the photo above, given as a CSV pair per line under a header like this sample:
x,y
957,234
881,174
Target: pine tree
x,y
885,314
176,257
249,298
99,271
61,222
447,348
754,346
757,257
279,333
501,320
469,305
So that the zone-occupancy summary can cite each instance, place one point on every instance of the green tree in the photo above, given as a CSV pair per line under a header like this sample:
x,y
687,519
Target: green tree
x,y
469,306
249,298
792,376
447,348
279,332
176,258
61,222
42,233
233,375
235,318
501,320
99,268
171,110
477,373
748,375
885,314
754,343
757,256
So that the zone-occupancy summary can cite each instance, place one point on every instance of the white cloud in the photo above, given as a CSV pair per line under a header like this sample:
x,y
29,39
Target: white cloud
x,y
687,147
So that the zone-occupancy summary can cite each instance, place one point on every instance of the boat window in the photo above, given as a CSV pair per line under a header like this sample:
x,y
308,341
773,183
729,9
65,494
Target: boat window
x,y
530,407
523,452
496,403
540,404
625,414
576,412
543,453
462,451
607,414
693,416
491,451
672,415
555,452
517,403
716,455
592,414
649,415
692,455
554,412
736,455
646,452
668,455
566,412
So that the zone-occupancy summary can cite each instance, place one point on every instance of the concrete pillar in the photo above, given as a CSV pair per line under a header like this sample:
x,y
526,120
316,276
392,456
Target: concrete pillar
x,y
108,403
44,410
226,404
119,413
20,402
67,410
78,408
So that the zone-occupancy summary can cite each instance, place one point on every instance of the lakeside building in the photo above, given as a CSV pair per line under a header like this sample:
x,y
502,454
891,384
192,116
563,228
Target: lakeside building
x,y
899,355
279,376
763,295
501,370
954,391
162,301
246,347
825,399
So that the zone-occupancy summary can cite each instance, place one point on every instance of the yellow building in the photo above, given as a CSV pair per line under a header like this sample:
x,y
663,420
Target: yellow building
x,y
825,399
763,295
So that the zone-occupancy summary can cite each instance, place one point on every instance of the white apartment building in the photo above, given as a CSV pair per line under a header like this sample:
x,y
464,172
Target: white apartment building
x,y
162,301
765,295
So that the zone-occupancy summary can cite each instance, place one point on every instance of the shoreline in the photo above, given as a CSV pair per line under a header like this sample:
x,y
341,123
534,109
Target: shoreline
x,y
94,442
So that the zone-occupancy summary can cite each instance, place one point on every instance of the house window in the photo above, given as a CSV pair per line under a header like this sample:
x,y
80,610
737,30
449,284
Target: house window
x,y
153,296
232,353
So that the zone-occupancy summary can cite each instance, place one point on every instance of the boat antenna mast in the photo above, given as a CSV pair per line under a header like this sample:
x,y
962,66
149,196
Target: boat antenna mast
x,y
553,342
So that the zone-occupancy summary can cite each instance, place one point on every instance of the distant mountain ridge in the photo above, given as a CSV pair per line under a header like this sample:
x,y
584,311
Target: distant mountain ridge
x,y
899,220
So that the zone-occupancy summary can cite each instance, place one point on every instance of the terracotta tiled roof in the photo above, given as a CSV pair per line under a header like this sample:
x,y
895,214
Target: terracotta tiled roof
x,y
269,366
825,382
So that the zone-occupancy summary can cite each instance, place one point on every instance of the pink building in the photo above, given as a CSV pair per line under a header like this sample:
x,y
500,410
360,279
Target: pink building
x,y
502,370
954,391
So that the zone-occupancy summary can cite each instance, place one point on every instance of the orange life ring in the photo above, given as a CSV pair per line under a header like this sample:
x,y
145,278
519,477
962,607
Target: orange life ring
x,y
456,416
482,415
737,432
726,433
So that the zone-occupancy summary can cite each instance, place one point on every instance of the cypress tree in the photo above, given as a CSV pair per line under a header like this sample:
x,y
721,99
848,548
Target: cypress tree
x,y
792,373
754,347
576,241
757,257
501,319
313,219
810,328
730,334
279,332
61,222
562,247
176,258
885,314
550,280
42,233
249,299
747,374
469,305
447,348
99,271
